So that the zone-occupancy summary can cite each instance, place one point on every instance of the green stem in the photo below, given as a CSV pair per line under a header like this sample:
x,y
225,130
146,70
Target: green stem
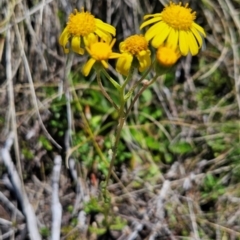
x,y
119,129
92,137
129,77
146,85
141,79
121,121
104,91
114,83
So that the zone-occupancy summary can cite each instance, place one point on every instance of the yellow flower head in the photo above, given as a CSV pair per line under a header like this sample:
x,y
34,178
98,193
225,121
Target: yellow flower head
x,y
99,52
83,25
175,26
167,56
133,46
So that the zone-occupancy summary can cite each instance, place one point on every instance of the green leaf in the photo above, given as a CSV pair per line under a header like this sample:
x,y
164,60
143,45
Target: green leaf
x,y
147,95
181,148
152,143
27,154
45,142
98,231
128,95
115,84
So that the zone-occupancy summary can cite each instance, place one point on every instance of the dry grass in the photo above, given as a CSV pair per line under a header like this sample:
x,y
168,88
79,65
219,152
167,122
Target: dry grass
x,y
192,195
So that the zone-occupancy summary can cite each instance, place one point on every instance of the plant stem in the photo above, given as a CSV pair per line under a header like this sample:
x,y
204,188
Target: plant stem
x,y
121,121
146,85
114,83
141,79
104,92
92,137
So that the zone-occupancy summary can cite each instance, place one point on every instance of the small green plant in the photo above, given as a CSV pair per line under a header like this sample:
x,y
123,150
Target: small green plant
x,y
170,40
212,188
109,222
45,232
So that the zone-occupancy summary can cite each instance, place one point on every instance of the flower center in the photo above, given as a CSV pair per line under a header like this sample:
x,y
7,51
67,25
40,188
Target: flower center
x,y
178,17
81,23
135,44
100,51
167,56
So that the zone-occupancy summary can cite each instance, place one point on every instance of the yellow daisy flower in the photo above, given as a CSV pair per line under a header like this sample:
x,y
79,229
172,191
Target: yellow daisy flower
x,y
82,26
175,26
99,52
133,46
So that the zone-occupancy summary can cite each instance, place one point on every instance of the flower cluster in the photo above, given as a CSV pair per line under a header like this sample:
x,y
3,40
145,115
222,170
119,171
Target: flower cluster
x,y
173,33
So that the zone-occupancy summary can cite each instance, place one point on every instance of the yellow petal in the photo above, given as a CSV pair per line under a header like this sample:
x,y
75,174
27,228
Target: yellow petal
x,y
124,63
142,53
198,36
115,55
152,15
172,39
183,43
199,28
88,66
161,37
104,63
144,61
105,27
63,39
63,36
193,46
104,35
150,21
122,47
90,39
153,30
75,45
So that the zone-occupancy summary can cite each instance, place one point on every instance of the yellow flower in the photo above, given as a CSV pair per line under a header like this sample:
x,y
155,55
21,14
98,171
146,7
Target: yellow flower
x,y
82,26
133,46
167,56
175,26
99,52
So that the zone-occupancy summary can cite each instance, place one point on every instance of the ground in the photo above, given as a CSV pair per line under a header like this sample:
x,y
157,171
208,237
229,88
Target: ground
x,y
177,165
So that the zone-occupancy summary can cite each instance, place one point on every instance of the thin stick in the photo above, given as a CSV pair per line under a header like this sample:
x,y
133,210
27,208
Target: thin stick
x,y
12,101
18,188
33,10
31,85
6,202
56,205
